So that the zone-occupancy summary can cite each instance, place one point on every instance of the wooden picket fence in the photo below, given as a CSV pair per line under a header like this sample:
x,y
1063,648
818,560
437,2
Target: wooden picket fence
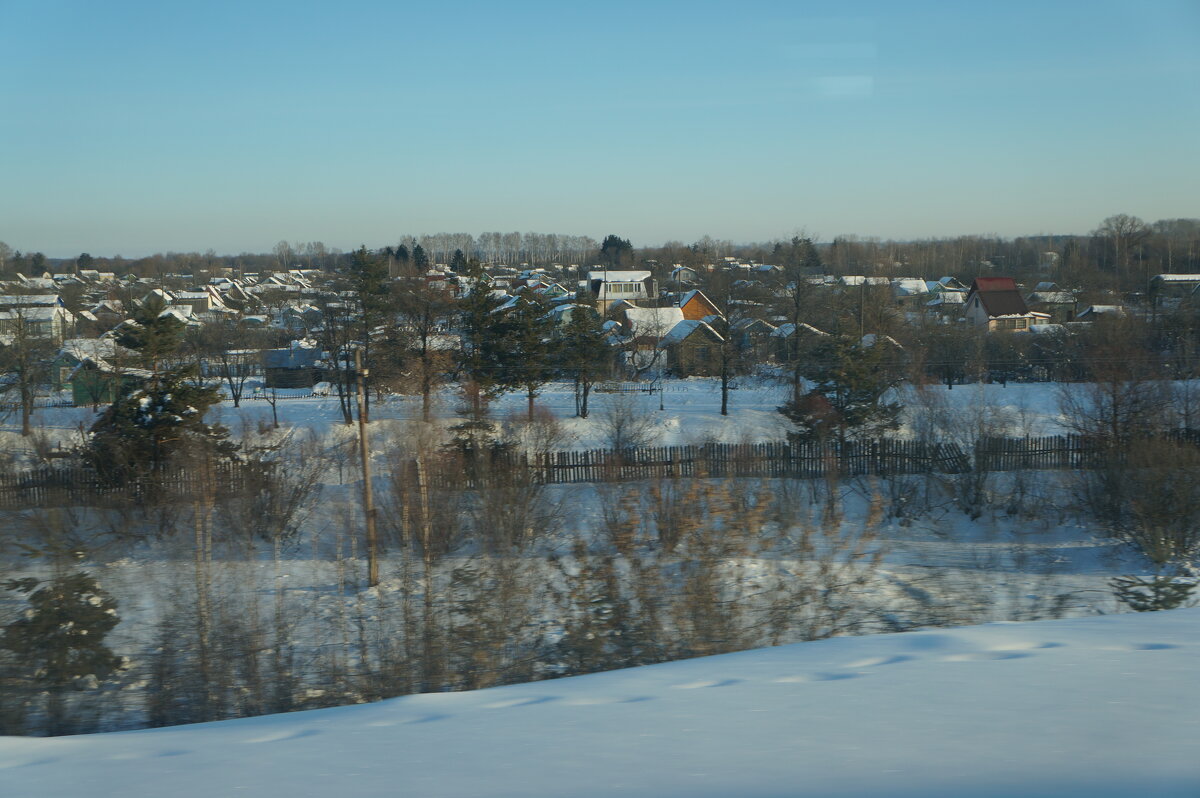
x,y
778,459
1057,451
73,485
803,461
879,458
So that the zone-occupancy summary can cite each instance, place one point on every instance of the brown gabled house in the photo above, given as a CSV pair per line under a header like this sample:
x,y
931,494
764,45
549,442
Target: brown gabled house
x,y
697,307
996,304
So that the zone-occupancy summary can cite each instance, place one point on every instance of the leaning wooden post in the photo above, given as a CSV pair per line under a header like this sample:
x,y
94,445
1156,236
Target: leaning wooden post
x,y
364,452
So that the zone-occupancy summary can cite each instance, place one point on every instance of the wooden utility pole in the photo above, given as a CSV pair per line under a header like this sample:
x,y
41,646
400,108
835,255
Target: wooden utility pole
x,y
368,498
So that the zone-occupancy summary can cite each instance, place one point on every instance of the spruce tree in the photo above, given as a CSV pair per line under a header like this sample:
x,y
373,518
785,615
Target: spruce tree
x,y
1150,594
847,399
481,364
153,335
419,259
583,354
140,433
376,305
526,353
614,250
59,639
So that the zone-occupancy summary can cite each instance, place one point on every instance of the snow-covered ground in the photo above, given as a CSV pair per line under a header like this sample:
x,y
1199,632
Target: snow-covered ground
x,y
690,414
1091,707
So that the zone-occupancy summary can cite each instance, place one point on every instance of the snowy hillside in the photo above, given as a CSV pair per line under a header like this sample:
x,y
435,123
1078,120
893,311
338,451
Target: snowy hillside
x,y
1092,707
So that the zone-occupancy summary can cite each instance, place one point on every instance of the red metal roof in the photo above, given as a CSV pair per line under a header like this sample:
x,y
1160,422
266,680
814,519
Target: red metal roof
x,y
994,284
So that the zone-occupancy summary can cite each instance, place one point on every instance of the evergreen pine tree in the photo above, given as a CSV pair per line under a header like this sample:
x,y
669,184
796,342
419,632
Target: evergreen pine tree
x,y
1153,593
139,433
847,399
614,250
376,306
420,260
583,354
481,364
60,638
153,335
526,353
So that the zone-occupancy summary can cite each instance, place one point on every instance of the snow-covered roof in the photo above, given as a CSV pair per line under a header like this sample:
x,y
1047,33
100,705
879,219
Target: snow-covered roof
x,y
1178,278
37,313
870,339
742,324
909,286
683,329
787,330
652,321
1046,329
95,348
182,312
858,279
615,276
1102,310
30,300
104,366
1052,297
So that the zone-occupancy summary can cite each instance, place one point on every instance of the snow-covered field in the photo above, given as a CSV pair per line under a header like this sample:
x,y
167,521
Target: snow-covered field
x,y
1092,707
1029,555
690,414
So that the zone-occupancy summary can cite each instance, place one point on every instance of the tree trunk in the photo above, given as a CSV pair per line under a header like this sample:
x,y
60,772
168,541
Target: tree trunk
x,y
724,389
26,413
426,387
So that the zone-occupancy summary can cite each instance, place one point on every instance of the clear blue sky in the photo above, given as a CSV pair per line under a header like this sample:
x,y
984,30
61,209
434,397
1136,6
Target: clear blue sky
x,y
134,127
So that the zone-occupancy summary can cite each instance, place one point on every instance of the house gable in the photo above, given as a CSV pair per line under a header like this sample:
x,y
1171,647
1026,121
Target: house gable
x,y
696,306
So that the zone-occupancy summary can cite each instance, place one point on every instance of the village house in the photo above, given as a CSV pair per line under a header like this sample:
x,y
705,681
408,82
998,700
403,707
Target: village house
x,y
1093,312
697,307
791,341
74,352
295,366
609,286
754,338
909,292
1168,290
1059,305
96,382
684,275
693,349
53,323
995,304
